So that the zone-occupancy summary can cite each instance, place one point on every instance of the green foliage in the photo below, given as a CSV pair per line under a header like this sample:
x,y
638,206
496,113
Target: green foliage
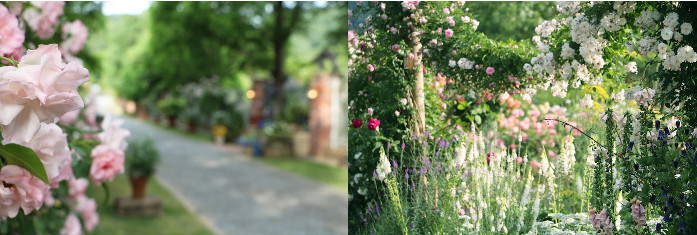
x,y
141,158
171,106
24,157
511,20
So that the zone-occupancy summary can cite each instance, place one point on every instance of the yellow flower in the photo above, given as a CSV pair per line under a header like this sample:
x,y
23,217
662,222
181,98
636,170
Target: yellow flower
x,y
219,130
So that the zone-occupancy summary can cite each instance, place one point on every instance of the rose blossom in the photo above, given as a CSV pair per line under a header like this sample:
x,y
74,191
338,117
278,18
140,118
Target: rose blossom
x,y
42,24
88,208
113,135
74,36
20,189
373,124
106,163
490,70
72,226
448,33
50,144
11,36
371,68
70,117
357,123
370,111
77,187
40,89
404,101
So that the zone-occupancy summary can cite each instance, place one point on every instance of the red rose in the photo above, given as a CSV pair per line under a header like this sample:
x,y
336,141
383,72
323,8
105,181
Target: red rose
x,y
357,123
373,124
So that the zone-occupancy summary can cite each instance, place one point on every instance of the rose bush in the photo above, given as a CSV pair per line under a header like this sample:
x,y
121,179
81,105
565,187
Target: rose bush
x,y
47,146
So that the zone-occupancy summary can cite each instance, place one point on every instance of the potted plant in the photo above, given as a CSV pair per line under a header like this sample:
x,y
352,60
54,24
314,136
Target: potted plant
x,y
141,158
171,107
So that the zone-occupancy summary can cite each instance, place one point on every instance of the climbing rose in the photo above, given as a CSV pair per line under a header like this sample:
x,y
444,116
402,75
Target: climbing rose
x,y
371,68
113,135
490,70
40,89
373,124
106,163
71,226
74,36
20,189
357,123
11,36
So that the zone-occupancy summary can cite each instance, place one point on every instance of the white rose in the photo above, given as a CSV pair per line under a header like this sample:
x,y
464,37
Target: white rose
x,y
666,34
686,28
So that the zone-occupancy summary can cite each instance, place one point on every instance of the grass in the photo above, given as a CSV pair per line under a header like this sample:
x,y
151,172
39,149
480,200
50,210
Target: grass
x,y
176,219
336,177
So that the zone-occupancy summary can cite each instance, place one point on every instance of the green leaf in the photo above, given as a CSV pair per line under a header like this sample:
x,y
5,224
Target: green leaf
x,y
22,156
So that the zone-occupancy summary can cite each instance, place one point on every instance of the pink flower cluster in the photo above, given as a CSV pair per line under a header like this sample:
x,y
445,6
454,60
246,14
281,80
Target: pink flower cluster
x,y
20,189
40,89
43,22
638,213
51,145
108,157
74,36
601,222
11,36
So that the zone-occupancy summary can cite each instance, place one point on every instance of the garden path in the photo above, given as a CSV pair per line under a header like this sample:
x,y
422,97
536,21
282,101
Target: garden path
x,y
234,194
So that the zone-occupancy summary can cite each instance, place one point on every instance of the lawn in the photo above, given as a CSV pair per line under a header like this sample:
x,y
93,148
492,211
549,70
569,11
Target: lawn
x,y
176,219
336,177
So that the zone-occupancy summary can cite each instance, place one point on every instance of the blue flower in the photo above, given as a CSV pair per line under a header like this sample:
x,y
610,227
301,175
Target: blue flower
x,y
677,123
660,134
631,146
683,153
681,226
658,124
658,228
666,130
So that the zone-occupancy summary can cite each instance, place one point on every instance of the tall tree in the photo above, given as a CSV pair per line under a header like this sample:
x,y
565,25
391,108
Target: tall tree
x,y
284,27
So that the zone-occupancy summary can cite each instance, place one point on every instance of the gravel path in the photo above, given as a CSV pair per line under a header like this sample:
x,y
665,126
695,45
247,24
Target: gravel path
x,y
234,194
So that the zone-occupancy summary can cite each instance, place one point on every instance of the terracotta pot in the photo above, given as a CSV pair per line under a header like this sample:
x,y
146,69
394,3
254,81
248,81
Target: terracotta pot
x,y
138,186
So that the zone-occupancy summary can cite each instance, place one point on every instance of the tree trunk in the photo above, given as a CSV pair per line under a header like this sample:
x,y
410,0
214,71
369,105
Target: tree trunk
x,y
417,68
279,45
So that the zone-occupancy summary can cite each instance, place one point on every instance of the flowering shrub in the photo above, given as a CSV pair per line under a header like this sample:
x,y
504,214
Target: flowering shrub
x,y
46,157
627,70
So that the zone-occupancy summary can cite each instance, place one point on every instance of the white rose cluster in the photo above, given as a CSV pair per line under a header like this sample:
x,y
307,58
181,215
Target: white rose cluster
x,y
644,97
647,19
546,28
631,67
567,52
581,29
613,22
464,63
624,7
568,7
592,51
587,101
559,88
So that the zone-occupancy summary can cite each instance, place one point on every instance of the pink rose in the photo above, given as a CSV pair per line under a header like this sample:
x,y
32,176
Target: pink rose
x,y
373,124
77,187
350,35
395,48
393,30
71,226
519,160
40,89
490,70
113,135
446,11
20,189
106,163
70,117
370,111
448,33
11,36
42,23
88,208
371,68
50,144
74,36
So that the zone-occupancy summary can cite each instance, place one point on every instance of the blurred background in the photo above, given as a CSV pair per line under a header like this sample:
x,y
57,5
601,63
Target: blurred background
x,y
245,103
